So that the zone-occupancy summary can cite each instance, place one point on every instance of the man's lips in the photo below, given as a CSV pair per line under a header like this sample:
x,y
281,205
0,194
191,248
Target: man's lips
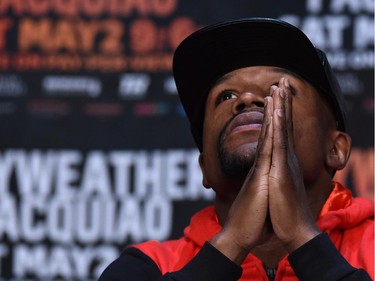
x,y
250,120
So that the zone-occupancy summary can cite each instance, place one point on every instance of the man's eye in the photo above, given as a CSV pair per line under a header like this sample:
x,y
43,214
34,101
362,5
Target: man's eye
x,y
225,95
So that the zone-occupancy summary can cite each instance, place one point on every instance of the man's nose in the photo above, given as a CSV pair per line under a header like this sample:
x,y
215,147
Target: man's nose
x,y
248,100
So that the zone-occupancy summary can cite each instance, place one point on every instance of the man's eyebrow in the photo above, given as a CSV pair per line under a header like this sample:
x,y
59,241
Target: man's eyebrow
x,y
222,79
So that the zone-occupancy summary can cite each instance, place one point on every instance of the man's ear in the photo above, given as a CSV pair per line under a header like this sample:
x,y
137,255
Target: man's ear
x,y
201,165
339,150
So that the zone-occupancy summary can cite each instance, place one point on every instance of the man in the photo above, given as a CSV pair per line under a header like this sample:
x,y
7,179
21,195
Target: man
x,y
266,113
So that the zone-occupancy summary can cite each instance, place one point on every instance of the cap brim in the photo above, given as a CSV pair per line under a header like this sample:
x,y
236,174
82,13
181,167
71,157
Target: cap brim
x,y
211,52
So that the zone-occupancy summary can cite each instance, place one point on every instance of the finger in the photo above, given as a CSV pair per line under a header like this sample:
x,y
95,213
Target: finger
x,y
265,138
289,112
264,151
280,138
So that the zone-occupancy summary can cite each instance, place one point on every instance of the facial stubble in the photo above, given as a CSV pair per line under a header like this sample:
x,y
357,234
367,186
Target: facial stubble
x,y
233,163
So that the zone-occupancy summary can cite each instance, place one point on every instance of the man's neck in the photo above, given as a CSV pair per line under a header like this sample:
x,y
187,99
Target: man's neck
x,y
270,253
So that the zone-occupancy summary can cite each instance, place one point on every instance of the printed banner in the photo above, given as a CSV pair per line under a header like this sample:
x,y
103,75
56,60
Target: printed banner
x,y
96,152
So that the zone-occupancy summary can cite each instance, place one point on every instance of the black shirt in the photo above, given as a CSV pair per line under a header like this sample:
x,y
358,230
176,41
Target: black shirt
x,y
317,260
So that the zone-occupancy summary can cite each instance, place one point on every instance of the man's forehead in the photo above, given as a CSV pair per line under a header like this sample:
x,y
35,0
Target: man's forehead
x,y
270,69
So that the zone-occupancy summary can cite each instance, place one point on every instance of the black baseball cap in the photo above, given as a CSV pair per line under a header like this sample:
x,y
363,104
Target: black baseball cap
x,y
209,53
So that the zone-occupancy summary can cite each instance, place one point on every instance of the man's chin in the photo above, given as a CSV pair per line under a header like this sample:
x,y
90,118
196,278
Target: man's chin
x,y
245,150
237,162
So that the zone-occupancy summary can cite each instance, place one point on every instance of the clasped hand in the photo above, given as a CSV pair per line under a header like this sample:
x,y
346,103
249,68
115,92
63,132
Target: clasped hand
x,y
273,198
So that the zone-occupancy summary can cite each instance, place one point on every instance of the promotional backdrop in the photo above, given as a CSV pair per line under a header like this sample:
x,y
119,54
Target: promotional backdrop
x,y
95,149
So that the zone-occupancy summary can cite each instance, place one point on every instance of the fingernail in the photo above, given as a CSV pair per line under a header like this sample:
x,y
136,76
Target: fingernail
x,y
273,89
282,94
279,112
286,82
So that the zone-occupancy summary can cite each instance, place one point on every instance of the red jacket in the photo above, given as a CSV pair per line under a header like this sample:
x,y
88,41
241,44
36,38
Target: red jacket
x,y
348,221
